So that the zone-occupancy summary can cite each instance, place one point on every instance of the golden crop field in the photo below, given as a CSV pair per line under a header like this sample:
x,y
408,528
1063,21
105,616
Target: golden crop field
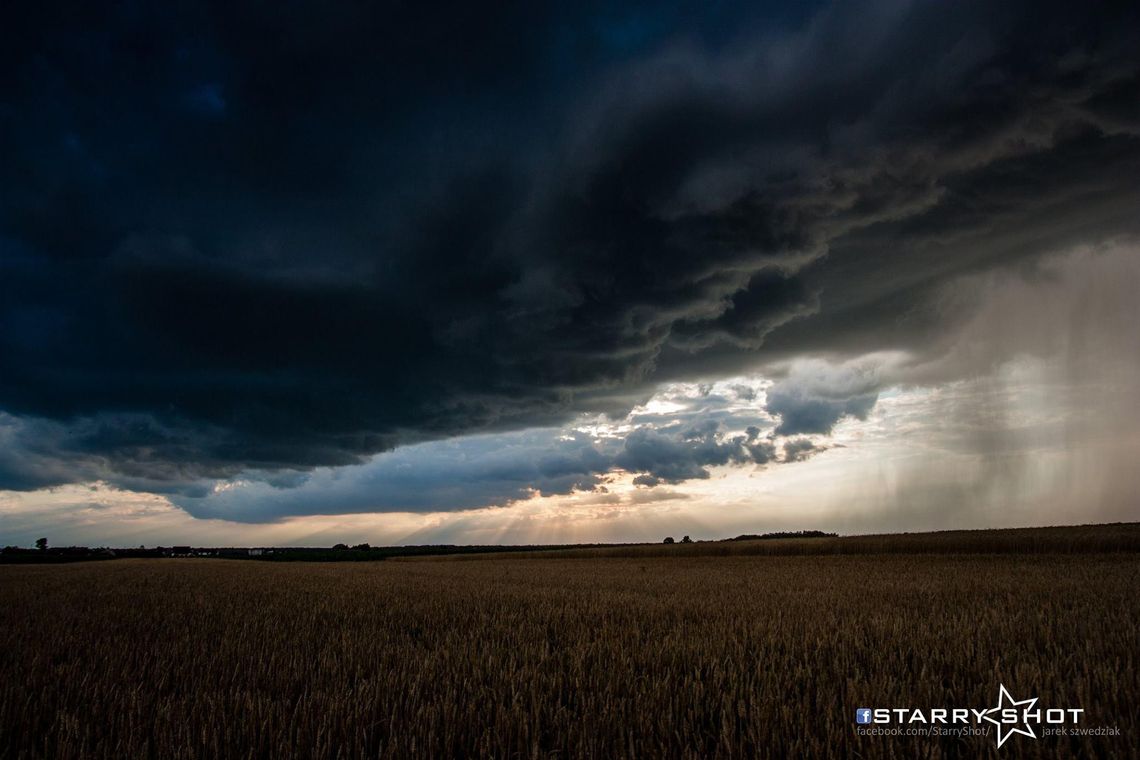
x,y
598,657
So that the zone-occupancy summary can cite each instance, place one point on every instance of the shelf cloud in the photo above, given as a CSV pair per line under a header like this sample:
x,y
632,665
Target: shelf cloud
x,y
274,250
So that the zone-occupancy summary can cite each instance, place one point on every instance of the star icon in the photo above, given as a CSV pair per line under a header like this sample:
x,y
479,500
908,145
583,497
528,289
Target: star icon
x,y
1006,701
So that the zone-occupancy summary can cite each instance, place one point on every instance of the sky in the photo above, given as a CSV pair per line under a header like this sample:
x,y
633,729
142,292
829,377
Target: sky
x,y
548,273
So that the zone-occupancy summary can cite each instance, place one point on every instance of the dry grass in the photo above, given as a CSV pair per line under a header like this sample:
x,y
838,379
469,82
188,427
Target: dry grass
x,y
603,658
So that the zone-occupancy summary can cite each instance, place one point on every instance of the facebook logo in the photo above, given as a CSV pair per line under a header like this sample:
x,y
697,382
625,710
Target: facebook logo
x,y
863,715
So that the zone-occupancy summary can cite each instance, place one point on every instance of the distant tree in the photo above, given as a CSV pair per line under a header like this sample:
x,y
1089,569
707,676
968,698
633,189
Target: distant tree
x,y
362,547
669,540
41,544
686,540
340,547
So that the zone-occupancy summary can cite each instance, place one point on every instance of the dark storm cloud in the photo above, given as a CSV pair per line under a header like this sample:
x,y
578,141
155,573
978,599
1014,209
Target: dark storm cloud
x,y
815,395
803,413
799,449
236,240
676,457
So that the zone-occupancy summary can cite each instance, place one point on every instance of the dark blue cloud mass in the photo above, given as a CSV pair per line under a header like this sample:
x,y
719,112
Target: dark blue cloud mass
x,y
481,470
237,239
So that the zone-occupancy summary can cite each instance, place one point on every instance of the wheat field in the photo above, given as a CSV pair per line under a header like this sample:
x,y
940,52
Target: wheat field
x,y
598,657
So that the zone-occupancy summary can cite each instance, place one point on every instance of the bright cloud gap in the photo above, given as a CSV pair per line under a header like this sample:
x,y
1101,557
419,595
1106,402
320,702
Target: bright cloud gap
x,y
683,432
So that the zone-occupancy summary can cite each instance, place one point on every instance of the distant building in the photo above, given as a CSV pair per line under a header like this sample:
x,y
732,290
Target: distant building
x,y
256,552
181,551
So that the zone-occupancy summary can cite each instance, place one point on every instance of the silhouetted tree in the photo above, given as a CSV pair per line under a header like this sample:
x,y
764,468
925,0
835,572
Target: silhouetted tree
x,y
669,540
362,547
686,540
41,544
340,547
